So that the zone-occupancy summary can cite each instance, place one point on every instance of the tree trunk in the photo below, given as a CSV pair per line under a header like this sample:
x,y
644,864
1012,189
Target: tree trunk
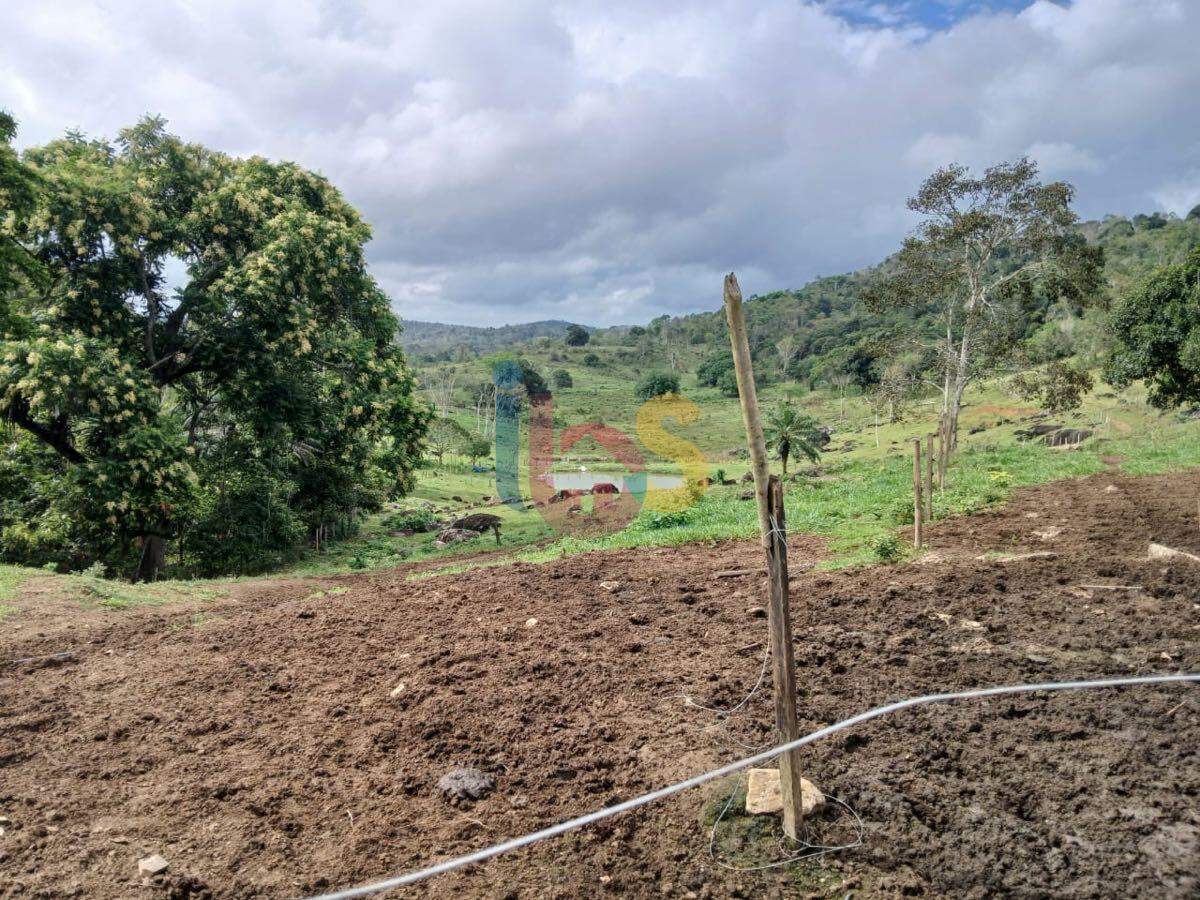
x,y
154,553
961,367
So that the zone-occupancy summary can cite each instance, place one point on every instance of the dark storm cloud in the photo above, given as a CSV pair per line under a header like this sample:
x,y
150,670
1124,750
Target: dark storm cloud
x,y
606,162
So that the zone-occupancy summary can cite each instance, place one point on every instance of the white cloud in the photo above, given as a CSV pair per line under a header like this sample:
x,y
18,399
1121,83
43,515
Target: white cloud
x,y
1180,196
608,161
1063,159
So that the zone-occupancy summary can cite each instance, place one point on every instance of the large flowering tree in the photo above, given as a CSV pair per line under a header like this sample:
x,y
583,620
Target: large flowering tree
x,y
191,352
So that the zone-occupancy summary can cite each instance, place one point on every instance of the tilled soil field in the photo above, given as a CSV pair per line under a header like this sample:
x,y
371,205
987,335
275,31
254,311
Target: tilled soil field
x,y
287,742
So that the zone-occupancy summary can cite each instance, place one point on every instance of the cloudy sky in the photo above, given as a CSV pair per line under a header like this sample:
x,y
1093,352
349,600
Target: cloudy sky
x,y
605,162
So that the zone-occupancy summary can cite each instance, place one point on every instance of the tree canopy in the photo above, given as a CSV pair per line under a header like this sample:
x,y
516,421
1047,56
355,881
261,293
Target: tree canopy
x,y
180,328
790,432
577,336
1156,328
657,384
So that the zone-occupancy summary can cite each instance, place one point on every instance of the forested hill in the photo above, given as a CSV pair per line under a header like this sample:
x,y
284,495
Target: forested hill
x,y
832,332
826,329
434,338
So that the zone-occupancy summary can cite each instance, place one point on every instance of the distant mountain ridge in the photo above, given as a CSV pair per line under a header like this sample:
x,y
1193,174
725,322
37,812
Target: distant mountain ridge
x,y
432,338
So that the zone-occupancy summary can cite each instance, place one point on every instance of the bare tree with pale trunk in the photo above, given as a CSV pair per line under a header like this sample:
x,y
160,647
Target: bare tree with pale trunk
x,y
981,244
441,388
785,350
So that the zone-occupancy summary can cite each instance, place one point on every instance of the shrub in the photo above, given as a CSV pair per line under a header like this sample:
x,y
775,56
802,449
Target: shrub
x,y
714,367
656,384
419,520
1058,388
727,383
244,523
591,360
888,548
577,336
478,448
562,379
673,519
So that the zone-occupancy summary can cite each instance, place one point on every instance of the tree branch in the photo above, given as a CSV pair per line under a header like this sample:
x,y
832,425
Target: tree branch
x,y
55,437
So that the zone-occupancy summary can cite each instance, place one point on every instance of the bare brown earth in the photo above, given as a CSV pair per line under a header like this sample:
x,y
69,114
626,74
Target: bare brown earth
x,y
262,754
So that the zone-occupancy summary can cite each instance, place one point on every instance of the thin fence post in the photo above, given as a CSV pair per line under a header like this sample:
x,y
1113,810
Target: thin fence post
x,y
929,477
943,450
769,494
918,504
783,661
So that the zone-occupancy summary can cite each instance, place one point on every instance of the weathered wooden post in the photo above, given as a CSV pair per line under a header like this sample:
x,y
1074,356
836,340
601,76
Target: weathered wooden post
x,y
918,503
769,493
943,449
929,477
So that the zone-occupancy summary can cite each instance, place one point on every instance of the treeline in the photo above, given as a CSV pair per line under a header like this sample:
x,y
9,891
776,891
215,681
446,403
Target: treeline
x,y
437,342
825,333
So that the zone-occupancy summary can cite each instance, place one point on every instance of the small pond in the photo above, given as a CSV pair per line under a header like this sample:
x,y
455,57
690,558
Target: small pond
x,y
585,481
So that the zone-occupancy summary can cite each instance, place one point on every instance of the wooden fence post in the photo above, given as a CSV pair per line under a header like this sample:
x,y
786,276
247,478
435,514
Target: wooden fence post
x,y
929,477
769,493
918,504
943,450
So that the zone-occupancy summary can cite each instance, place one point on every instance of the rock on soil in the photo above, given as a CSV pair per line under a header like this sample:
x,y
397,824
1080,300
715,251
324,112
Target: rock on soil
x,y
764,795
456,536
1160,551
460,785
152,865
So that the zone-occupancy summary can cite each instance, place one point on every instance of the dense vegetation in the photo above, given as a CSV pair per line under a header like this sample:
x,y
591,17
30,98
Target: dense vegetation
x,y
433,341
193,358
1157,331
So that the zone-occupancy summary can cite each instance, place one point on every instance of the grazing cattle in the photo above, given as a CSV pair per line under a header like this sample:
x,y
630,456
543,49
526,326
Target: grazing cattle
x,y
605,487
480,522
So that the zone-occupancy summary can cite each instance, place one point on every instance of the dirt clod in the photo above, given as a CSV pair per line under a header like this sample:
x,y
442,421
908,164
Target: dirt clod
x,y
466,784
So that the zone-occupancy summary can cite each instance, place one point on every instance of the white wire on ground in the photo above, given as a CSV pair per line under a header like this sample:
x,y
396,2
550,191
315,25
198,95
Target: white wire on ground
x,y
486,853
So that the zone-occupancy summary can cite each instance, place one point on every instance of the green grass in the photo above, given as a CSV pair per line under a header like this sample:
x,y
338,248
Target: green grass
x,y
376,547
110,594
92,590
859,504
11,579
747,841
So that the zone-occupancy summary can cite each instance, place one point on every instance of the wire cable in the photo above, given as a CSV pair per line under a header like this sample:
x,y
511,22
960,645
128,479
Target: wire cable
x,y
578,822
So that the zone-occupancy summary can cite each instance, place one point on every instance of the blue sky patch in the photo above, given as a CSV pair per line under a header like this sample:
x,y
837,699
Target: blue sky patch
x,y
931,14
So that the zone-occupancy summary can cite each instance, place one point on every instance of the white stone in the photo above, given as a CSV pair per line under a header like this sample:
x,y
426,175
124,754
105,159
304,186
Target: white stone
x,y
1161,551
763,794
531,622
152,865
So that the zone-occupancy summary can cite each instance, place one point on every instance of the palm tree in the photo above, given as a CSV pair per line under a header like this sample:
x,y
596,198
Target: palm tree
x,y
790,432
